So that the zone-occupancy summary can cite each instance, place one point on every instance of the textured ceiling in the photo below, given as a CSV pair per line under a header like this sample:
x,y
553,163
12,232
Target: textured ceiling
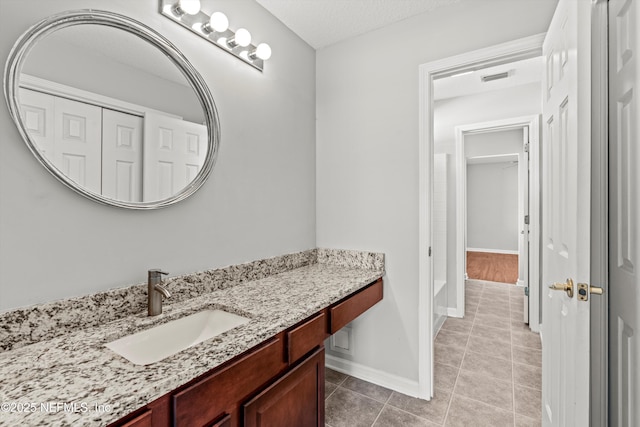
x,y
324,22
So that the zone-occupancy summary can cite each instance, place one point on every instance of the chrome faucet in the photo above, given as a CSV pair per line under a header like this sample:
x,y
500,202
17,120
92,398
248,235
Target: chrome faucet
x,y
156,292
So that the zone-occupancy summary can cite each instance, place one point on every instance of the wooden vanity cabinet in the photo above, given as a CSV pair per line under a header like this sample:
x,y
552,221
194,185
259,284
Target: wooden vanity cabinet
x,y
277,383
296,399
142,420
222,391
347,309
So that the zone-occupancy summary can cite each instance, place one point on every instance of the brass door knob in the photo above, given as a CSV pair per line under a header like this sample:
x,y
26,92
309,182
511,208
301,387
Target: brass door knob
x,y
584,290
567,287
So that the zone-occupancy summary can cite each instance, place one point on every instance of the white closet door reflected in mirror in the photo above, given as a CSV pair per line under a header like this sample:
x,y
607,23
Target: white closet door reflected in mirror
x,y
122,156
112,109
122,139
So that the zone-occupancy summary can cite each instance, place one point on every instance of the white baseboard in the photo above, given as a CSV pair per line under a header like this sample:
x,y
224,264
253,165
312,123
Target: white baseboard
x,y
453,312
493,251
375,376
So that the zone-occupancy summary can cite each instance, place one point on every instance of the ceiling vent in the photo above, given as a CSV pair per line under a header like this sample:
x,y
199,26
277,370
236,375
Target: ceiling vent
x,y
493,77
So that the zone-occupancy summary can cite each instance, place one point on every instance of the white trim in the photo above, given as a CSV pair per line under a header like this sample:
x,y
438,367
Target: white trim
x,y
599,313
375,376
438,285
425,225
57,89
461,217
493,251
452,312
533,124
527,47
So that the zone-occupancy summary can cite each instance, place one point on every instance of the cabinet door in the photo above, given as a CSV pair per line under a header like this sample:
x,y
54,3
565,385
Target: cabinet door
x,y
223,390
295,400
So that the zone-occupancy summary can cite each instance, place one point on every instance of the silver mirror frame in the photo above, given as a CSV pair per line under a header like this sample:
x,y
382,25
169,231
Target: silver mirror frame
x,y
25,43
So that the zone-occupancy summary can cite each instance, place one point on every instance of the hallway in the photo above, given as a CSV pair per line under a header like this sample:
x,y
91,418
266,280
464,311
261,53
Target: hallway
x,y
487,373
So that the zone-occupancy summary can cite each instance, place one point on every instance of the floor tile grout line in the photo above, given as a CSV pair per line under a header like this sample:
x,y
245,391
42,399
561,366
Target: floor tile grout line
x,y
330,394
363,395
384,405
378,416
513,373
411,413
455,383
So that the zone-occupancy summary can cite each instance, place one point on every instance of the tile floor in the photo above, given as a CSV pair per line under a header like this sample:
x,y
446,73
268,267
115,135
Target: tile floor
x,y
487,373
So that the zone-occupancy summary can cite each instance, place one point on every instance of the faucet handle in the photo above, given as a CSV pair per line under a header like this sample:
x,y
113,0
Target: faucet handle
x,y
157,271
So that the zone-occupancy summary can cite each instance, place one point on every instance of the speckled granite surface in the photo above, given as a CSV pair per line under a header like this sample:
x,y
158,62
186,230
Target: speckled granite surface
x,y
44,321
74,367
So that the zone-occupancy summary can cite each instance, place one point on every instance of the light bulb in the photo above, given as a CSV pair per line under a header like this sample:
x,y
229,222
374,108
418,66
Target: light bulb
x,y
190,7
242,37
263,51
219,22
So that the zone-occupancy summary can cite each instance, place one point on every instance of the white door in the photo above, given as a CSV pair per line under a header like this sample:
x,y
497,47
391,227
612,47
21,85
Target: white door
x,y
77,151
566,215
624,213
174,152
36,110
523,219
122,156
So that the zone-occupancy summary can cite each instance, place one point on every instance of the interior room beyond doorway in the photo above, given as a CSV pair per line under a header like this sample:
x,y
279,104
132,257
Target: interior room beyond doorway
x,y
492,267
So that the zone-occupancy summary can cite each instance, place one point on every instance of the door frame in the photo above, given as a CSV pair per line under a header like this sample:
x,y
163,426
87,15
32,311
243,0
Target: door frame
x,y
533,281
599,269
524,48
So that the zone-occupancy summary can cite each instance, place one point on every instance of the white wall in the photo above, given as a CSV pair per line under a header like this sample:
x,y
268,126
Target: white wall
x,y
259,201
367,154
492,206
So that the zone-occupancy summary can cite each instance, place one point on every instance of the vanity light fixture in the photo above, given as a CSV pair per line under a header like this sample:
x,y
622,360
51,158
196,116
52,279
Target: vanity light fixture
x,y
241,38
262,51
215,29
218,23
188,7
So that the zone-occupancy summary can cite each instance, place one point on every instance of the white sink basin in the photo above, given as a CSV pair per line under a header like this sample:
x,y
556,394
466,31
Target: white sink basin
x,y
154,344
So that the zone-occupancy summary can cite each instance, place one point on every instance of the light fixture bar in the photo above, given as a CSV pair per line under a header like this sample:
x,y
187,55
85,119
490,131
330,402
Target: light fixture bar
x,y
199,24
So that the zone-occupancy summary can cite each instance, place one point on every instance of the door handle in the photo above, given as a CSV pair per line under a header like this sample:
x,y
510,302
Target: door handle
x,y
567,287
584,290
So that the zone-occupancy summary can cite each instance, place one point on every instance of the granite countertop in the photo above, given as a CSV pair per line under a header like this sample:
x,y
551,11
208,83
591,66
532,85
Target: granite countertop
x,y
73,379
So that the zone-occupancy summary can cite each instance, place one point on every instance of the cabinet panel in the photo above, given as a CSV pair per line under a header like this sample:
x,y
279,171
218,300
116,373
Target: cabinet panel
x,y
225,421
352,307
295,400
221,392
307,336
142,420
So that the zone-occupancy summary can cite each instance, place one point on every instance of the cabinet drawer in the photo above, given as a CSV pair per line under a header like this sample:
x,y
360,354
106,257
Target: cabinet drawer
x,y
305,337
347,310
206,400
142,420
225,421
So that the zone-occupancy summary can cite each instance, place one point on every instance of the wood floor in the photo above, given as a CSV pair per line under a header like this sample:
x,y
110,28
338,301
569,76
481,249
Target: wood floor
x,y
492,267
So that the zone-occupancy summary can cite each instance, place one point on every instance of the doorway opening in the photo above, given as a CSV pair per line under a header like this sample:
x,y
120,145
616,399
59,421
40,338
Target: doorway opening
x,y
497,214
429,164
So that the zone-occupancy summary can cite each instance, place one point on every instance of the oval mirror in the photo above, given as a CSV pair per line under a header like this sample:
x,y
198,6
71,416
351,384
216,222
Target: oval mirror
x,y
112,109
